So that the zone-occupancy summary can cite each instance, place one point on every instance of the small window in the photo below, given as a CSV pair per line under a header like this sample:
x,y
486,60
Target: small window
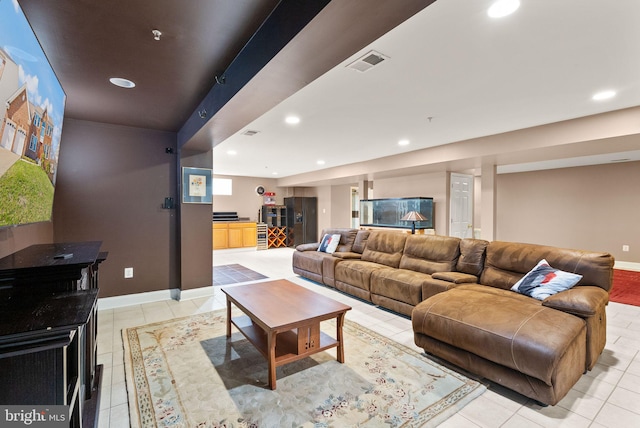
x,y
222,186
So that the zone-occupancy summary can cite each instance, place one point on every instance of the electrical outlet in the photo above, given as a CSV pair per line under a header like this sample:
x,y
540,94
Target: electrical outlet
x,y
128,272
625,248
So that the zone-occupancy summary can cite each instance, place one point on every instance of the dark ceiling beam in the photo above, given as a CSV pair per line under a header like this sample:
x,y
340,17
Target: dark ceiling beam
x,y
338,31
282,25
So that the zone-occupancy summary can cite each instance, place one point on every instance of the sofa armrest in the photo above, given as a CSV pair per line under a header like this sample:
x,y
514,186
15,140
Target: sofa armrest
x,y
308,247
455,277
347,255
583,301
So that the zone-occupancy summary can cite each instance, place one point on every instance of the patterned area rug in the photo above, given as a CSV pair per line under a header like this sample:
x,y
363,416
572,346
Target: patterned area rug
x,y
185,373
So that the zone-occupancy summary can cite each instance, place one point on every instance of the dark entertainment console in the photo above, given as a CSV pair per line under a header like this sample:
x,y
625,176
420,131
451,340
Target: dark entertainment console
x,y
48,328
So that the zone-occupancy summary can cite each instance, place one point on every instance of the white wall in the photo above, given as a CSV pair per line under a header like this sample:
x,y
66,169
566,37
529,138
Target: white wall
x,y
591,207
434,185
244,199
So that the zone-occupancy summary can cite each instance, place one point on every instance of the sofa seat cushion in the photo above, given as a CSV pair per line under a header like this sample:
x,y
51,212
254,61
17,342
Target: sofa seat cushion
x,y
398,284
310,261
357,273
501,326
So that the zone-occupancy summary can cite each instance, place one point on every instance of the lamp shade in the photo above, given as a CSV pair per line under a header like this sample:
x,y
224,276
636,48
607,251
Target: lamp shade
x,y
413,216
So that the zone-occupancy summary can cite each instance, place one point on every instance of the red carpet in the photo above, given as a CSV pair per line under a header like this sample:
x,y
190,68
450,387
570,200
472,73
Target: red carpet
x,y
626,287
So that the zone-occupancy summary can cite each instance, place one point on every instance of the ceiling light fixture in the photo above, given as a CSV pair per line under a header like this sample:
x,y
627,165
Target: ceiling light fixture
x,y
502,8
292,120
320,162
404,142
121,82
604,95
156,34
232,152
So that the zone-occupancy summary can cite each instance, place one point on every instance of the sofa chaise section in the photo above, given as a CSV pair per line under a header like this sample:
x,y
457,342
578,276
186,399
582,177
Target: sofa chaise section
x,y
536,351
539,348
507,262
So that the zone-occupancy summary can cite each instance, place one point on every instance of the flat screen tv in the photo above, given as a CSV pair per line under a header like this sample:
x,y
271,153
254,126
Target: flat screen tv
x,y
31,114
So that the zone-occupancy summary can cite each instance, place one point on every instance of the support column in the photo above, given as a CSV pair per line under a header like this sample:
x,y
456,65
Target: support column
x,y
488,202
363,189
196,245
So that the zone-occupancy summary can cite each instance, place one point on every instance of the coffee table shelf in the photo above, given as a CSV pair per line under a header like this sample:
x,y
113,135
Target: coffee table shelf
x,y
286,342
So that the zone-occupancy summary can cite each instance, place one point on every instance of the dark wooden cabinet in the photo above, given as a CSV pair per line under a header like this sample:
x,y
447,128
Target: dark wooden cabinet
x,y
48,328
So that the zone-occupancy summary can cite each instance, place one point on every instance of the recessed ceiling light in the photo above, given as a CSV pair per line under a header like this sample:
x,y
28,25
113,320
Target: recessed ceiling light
x,y
121,82
274,173
320,162
292,120
503,8
604,95
404,142
232,152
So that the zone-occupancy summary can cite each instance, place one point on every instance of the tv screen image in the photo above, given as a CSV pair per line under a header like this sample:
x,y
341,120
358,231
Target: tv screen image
x,y
31,116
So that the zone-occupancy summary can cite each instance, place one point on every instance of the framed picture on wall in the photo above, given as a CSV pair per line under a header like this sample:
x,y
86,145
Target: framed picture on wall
x,y
196,185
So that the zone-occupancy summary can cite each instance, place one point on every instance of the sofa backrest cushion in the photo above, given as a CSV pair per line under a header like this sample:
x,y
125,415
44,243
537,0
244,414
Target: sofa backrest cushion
x,y
384,248
472,255
361,241
507,262
347,237
430,253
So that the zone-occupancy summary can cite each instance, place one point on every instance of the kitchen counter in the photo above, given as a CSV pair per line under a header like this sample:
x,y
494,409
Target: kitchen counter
x,y
234,234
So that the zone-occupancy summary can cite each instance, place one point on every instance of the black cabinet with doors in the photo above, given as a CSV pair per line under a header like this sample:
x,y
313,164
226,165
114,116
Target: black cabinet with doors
x,y
48,328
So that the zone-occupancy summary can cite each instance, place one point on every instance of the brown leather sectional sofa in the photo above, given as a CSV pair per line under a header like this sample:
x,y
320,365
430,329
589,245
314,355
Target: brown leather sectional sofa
x,y
457,292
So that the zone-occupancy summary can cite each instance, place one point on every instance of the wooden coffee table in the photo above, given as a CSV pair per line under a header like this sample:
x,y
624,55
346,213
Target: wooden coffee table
x,y
282,320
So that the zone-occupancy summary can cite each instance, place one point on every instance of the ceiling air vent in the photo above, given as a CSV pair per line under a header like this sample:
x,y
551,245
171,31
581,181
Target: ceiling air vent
x,y
250,133
368,61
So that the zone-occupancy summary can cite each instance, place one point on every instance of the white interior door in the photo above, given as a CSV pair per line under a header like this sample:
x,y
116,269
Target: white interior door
x,y
461,208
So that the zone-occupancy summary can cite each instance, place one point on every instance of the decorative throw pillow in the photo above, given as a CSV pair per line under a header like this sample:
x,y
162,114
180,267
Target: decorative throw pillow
x,y
542,281
329,243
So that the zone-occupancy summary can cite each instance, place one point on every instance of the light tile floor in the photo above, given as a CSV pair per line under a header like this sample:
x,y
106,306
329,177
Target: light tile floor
x,y
607,396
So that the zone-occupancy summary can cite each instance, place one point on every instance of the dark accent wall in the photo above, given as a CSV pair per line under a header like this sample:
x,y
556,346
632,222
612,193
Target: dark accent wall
x,y
111,185
16,238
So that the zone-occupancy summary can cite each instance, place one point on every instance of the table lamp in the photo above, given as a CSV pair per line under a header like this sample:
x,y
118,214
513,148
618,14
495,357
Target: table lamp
x,y
413,216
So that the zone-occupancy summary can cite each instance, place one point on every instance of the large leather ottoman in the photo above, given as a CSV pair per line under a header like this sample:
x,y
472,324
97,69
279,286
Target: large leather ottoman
x,y
505,337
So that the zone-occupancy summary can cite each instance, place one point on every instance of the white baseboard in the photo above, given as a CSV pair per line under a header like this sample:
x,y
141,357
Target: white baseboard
x,y
627,266
153,296
133,299
195,293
